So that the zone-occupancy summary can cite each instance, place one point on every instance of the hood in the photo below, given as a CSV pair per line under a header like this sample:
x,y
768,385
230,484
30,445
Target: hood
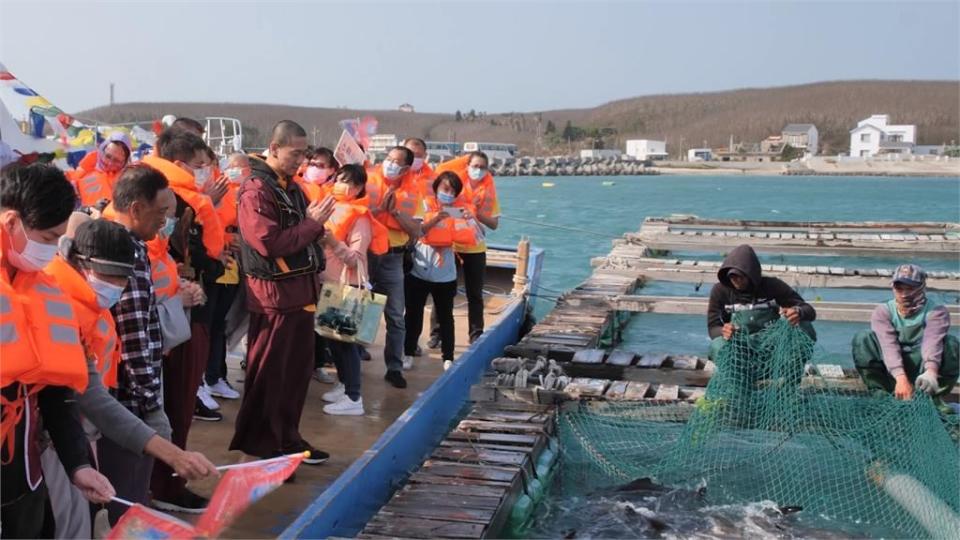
x,y
743,259
260,168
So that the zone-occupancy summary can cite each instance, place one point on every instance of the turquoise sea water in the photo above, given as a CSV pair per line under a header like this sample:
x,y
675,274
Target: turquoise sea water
x,y
600,213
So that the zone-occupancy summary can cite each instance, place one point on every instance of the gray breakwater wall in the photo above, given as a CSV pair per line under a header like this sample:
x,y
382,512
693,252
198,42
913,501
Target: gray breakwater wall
x,y
561,166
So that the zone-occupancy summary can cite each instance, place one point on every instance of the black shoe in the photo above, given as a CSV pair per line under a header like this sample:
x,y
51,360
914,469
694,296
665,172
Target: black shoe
x,y
417,352
205,414
396,379
187,502
474,337
364,354
316,457
434,342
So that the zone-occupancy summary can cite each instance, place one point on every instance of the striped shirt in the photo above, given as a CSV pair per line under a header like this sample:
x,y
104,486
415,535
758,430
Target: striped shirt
x,y
141,342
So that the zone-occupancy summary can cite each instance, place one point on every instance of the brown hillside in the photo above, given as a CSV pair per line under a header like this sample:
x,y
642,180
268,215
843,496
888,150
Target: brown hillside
x,y
747,114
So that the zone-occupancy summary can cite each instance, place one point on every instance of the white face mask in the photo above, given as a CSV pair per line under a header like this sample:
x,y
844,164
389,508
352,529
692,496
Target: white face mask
x,y
417,164
202,175
107,293
35,255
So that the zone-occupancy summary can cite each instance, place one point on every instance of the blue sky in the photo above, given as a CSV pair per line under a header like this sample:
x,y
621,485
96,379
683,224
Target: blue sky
x,y
443,56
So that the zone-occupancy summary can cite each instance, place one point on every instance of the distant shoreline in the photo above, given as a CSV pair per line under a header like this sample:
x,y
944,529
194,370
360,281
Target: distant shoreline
x,y
684,171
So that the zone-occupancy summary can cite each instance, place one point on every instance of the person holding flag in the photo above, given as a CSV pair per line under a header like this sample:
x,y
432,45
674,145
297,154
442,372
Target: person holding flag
x,y
44,362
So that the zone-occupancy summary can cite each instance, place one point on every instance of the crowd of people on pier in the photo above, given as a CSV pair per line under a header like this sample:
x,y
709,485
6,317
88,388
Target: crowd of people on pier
x,y
123,280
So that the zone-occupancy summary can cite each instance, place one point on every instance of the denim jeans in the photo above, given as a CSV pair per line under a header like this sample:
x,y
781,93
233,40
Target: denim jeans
x,y
386,275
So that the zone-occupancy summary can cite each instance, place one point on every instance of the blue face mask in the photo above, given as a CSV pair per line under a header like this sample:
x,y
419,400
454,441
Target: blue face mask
x,y
391,169
476,173
446,199
108,294
169,225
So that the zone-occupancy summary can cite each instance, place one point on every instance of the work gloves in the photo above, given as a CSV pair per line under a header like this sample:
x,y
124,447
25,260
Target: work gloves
x,y
927,382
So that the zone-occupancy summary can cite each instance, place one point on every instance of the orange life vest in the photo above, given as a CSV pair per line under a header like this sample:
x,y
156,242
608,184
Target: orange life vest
x,y
450,230
227,209
39,342
98,331
163,269
346,214
93,185
185,186
482,195
312,191
406,197
424,179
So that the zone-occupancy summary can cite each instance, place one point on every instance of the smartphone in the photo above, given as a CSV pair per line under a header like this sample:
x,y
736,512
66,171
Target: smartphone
x,y
453,211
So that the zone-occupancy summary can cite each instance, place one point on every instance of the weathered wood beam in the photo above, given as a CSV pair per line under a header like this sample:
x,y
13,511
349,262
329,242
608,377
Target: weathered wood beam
x,y
685,305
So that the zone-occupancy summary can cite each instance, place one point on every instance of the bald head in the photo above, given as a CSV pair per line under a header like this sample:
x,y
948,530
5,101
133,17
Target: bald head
x,y
288,147
285,132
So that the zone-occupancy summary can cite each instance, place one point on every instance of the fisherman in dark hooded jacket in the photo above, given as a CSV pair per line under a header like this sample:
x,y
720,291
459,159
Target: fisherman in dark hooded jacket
x,y
741,288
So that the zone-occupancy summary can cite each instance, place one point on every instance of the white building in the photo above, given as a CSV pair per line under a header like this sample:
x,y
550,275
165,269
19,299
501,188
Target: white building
x,y
876,135
802,136
600,154
644,149
382,143
699,154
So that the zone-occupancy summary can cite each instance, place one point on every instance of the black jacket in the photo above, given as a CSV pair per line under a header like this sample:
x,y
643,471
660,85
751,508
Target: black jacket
x,y
762,289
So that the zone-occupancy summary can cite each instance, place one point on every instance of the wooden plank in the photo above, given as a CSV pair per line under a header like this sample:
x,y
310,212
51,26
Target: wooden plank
x,y
686,305
617,390
667,392
621,358
478,455
684,361
424,496
583,387
421,477
516,439
524,417
636,391
447,443
467,515
392,526
653,360
485,493
589,356
504,427
465,470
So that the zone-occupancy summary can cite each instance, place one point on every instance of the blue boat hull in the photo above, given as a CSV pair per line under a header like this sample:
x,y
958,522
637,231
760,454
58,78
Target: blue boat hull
x,y
357,494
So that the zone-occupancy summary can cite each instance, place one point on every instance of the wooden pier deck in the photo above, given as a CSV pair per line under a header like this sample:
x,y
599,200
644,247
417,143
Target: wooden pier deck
x,y
689,233
469,484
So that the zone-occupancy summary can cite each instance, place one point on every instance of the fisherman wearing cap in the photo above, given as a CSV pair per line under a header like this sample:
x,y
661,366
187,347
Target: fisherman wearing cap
x,y
908,343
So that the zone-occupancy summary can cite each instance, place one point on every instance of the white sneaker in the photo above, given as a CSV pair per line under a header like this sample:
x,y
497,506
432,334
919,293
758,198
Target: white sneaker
x,y
223,389
447,364
345,406
321,375
334,395
407,363
203,394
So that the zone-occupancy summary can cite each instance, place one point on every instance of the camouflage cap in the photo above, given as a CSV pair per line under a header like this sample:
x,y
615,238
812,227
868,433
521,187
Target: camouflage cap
x,y
909,274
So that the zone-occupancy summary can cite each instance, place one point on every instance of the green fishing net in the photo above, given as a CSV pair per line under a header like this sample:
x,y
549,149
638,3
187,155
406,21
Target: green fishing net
x,y
765,431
